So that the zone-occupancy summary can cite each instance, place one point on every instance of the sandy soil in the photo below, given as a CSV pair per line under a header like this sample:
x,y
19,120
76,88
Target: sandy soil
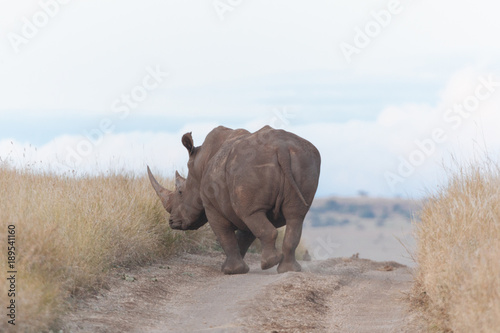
x,y
187,293
377,243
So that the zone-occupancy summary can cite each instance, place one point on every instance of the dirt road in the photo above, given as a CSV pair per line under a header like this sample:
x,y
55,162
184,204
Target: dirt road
x,y
188,293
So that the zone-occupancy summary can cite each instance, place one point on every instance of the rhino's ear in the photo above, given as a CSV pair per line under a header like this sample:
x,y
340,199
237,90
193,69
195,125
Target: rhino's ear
x,y
179,180
187,141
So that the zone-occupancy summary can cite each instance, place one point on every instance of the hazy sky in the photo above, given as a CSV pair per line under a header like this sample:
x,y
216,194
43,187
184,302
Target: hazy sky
x,y
387,90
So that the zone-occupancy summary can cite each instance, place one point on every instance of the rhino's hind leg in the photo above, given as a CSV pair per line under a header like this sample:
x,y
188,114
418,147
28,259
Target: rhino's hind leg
x,y
290,242
263,229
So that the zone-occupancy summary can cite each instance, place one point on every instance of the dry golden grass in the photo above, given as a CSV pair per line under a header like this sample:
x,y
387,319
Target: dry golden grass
x,y
72,231
458,253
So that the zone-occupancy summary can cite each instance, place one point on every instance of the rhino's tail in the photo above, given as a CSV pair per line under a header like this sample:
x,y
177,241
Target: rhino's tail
x,y
285,163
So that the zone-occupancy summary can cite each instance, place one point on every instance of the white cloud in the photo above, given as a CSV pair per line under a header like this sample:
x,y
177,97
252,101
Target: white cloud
x,y
72,67
78,67
356,154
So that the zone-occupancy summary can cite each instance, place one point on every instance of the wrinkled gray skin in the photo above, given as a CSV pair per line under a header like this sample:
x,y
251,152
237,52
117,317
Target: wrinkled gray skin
x,y
246,185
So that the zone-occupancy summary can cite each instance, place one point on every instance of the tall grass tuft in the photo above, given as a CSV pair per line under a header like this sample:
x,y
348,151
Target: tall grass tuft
x,y
458,252
71,231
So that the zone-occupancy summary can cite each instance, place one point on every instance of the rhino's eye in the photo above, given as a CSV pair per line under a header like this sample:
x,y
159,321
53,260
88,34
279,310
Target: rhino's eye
x,y
179,191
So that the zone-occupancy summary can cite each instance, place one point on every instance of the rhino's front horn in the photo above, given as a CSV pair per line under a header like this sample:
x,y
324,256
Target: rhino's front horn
x,y
162,192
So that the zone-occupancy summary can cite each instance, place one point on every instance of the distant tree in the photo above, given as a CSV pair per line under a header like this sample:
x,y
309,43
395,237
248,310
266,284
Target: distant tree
x,y
332,205
362,193
366,212
352,208
385,213
344,222
397,208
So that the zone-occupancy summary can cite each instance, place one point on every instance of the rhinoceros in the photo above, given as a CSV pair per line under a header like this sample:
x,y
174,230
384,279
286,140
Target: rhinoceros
x,y
246,185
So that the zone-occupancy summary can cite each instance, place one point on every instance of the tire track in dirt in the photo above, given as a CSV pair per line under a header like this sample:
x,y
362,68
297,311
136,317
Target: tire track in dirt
x,y
374,301
187,293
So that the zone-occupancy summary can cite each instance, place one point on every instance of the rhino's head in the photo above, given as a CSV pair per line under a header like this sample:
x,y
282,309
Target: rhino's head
x,y
184,203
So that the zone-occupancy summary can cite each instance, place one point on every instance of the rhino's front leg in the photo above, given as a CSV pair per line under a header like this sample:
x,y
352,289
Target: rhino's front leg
x,y
263,229
224,231
245,239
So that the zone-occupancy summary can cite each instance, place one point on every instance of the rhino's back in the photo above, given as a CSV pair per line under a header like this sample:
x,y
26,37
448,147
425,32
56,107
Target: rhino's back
x,y
212,150
257,153
267,142
247,170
